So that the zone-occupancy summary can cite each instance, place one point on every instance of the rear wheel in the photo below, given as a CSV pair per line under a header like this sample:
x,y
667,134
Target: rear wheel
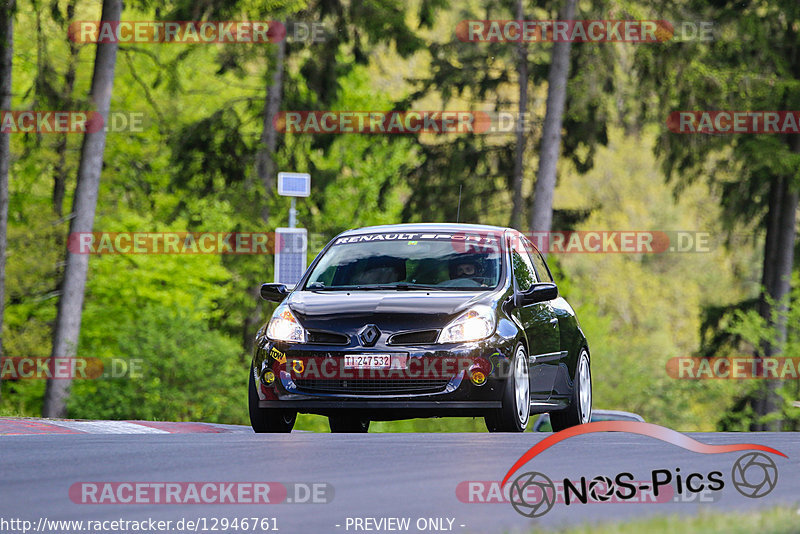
x,y
267,420
351,424
580,409
516,408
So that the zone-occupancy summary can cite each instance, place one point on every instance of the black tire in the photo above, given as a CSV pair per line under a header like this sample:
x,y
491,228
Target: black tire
x,y
513,416
267,420
577,413
348,424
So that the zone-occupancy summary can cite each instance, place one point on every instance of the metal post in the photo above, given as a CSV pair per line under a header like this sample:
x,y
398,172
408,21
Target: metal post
x,y
292,215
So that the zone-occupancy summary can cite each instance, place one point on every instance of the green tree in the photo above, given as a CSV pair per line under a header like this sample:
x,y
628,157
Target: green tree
x,y
68,320
7,8
751,64
542,208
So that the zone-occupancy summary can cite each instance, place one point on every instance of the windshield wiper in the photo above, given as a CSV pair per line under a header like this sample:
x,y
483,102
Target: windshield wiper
x,y
399,285
319,286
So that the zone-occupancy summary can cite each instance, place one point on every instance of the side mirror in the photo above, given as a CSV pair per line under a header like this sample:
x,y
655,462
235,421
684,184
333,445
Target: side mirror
x,y
274,292
540,292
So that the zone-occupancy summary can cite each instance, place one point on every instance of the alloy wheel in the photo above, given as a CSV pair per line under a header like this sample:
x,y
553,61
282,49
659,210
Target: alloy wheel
x,y
522,386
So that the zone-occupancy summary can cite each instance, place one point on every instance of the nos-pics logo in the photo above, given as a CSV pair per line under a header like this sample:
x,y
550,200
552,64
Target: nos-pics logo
x,y
533,494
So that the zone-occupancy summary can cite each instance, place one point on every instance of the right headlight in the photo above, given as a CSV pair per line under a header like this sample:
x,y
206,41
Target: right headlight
x,y
473,325
284,326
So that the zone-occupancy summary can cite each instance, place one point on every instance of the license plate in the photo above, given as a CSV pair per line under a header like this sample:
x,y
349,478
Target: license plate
x,y
368,361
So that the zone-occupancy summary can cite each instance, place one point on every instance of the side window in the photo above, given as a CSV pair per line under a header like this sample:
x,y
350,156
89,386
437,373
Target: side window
x,y
540,265
523,268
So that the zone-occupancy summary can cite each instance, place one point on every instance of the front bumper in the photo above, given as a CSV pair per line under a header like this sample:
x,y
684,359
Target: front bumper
x,y
424,381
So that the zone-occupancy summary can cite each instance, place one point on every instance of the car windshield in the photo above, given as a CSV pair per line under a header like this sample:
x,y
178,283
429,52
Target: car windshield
x,y
384,261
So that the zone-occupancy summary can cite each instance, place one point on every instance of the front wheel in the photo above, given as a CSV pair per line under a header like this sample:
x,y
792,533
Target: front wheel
x,y
267,420
580,409
515,412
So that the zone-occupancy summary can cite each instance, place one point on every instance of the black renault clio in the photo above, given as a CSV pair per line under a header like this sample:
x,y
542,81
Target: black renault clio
x,y
421,320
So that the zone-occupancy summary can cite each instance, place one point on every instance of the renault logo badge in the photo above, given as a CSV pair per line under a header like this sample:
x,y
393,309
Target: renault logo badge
x,y
369,335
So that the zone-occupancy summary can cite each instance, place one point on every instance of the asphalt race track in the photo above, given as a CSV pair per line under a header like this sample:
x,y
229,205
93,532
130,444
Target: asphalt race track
x,y
368,477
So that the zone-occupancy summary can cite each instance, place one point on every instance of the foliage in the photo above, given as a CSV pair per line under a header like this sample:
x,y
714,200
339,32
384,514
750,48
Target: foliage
x,y
640,310
752,330
191,168
177,370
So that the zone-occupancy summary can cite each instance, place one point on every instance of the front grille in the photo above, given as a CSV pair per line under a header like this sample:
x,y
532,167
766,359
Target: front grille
x,y
420,337
382,386
321,337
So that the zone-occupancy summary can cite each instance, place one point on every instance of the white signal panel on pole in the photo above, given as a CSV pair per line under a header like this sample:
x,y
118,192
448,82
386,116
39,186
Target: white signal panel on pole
x,y
291,248
294,184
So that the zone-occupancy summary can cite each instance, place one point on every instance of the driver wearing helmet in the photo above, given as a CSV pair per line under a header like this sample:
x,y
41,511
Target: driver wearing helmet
x,y
466,267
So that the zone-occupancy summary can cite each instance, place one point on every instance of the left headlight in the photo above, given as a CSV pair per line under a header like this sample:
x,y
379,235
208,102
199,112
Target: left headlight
x,y
474,324
284,326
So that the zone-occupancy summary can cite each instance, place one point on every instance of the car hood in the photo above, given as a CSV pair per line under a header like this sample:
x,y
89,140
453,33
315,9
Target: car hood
x,y
390,310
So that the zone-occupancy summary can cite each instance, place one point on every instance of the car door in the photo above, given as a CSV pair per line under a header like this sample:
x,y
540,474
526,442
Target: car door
x,y
562,378
539,322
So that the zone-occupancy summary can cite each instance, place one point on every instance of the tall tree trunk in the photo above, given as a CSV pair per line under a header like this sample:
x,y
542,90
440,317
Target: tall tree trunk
x,y
68,320
522,73
6,54
542,209
770,245
761,403
60,174
265,158
784,259
776,278
266,170
783,285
